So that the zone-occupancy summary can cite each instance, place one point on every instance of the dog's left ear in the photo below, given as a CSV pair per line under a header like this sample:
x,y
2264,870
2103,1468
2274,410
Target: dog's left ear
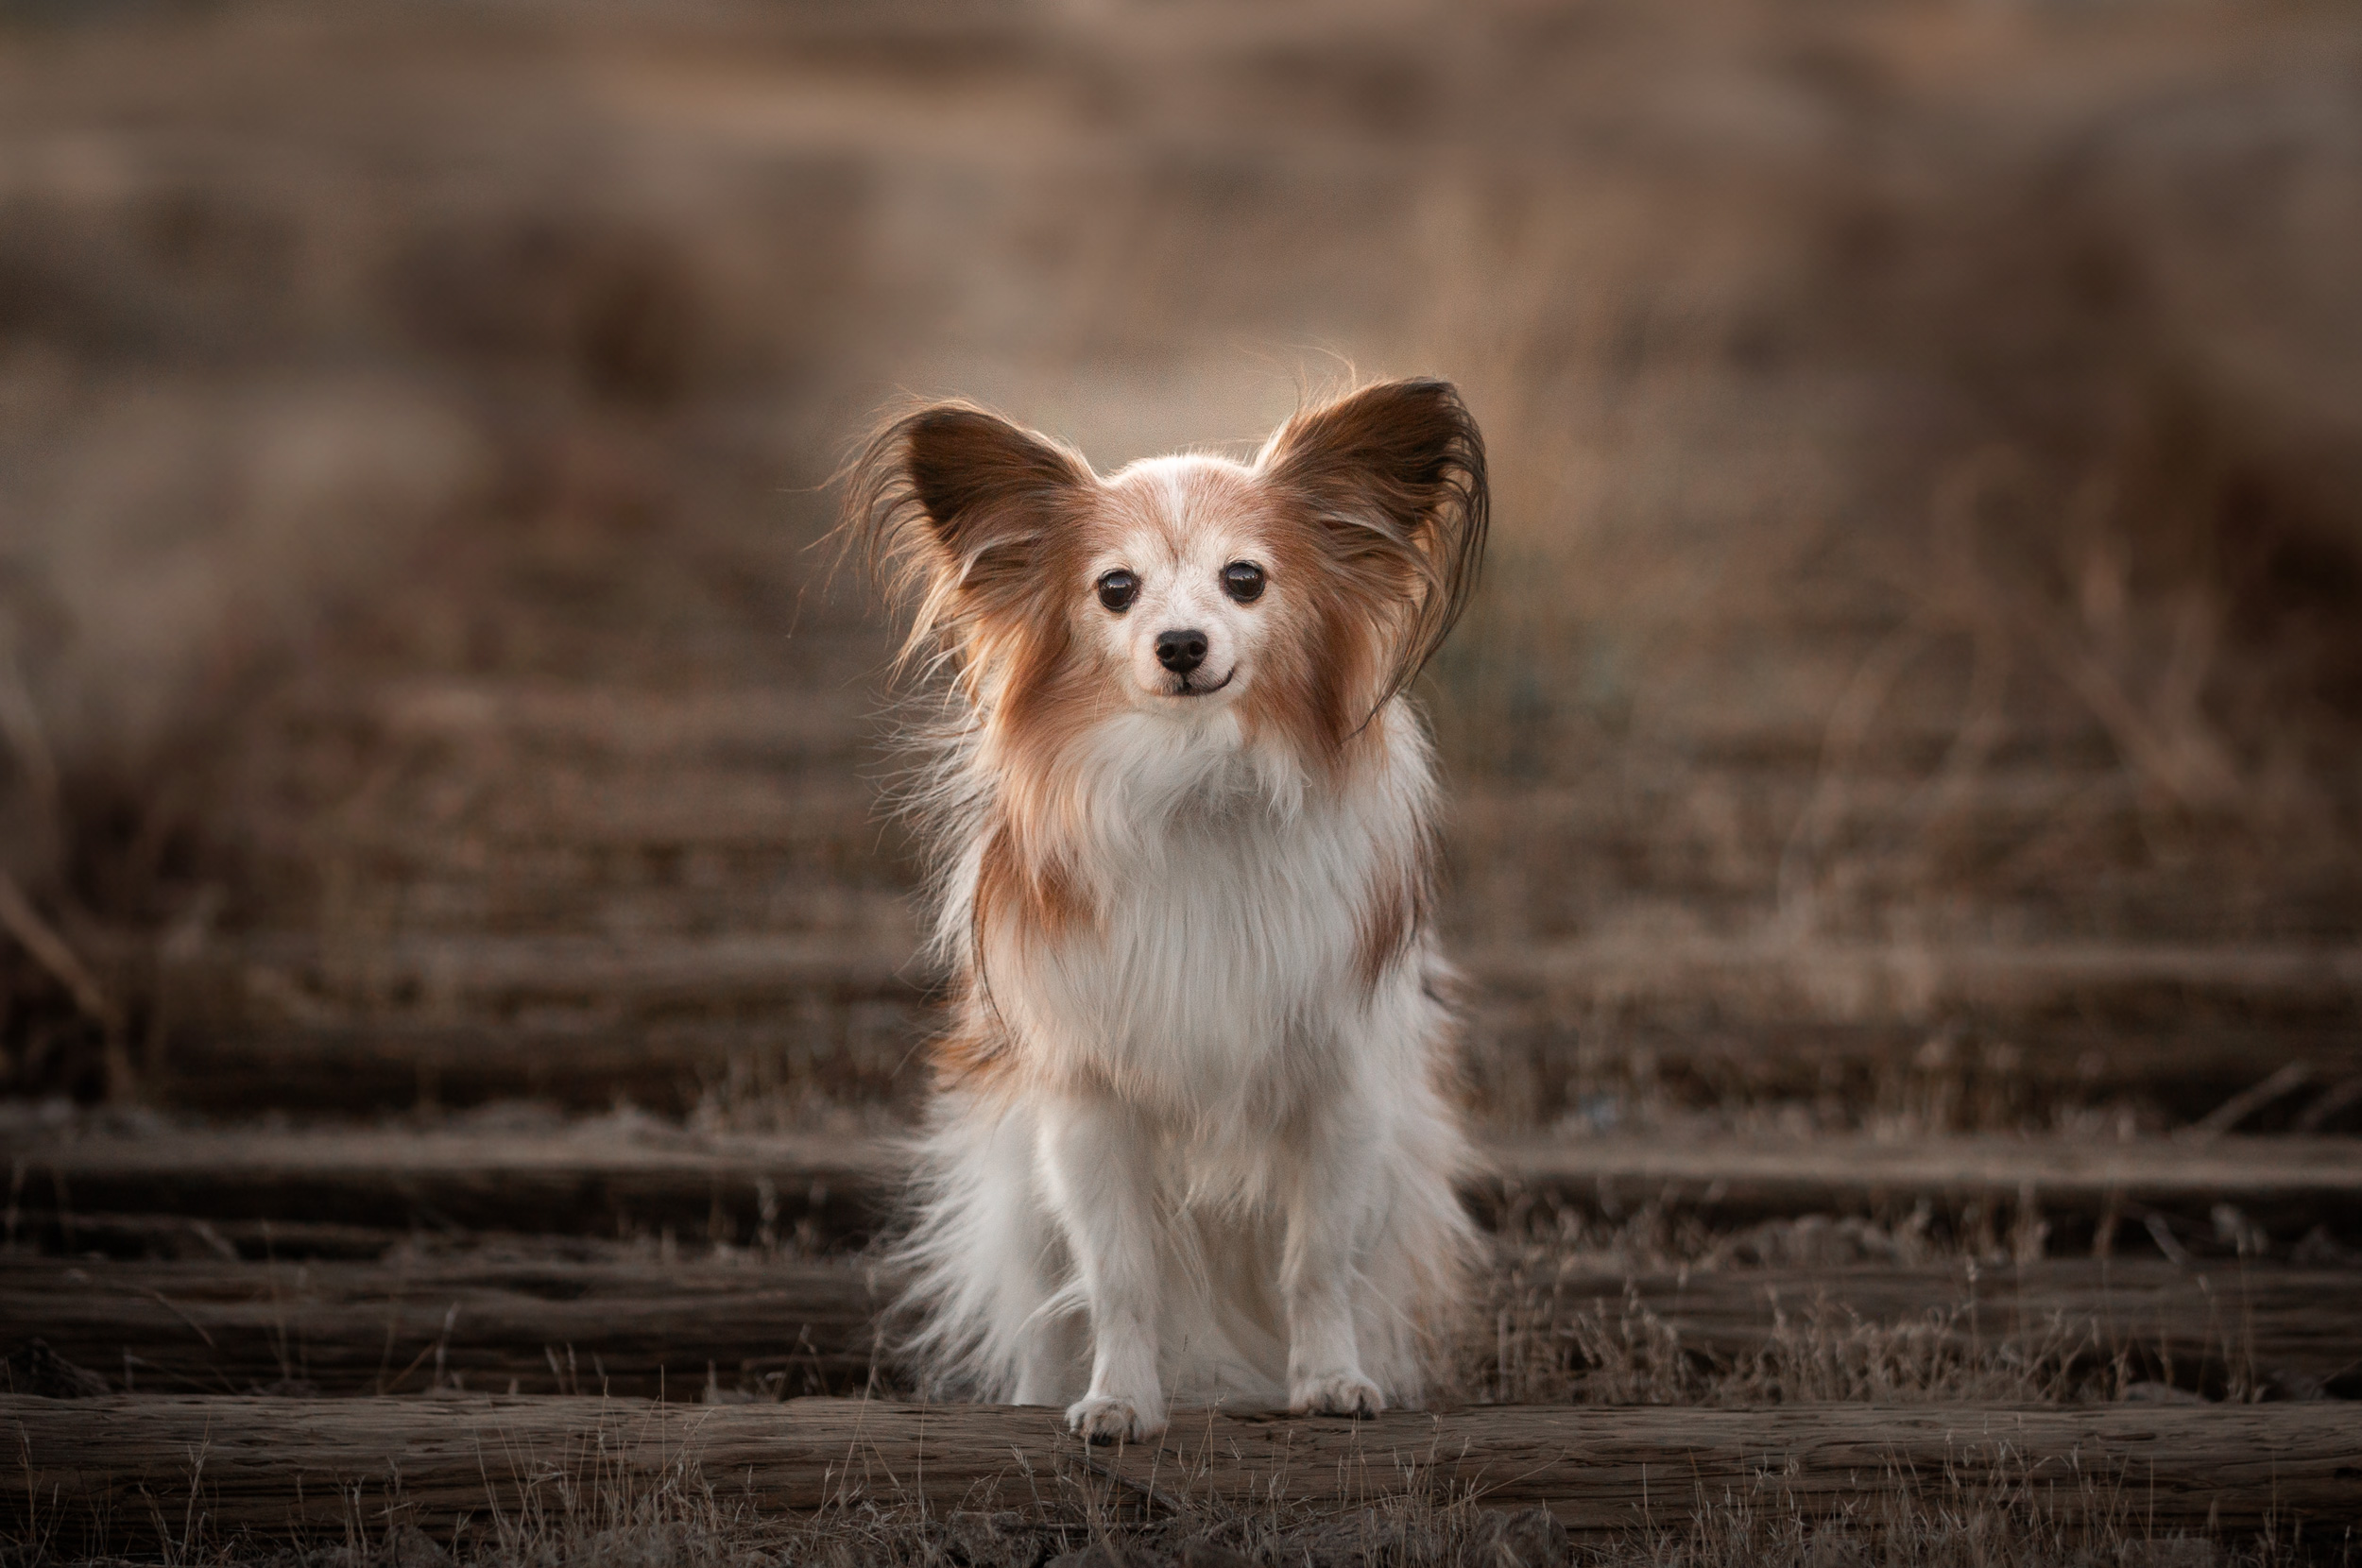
x,y
1393,477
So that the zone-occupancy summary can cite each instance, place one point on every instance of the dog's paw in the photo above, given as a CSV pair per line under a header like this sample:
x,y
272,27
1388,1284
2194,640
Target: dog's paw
x,y
1102,1418
1335,1394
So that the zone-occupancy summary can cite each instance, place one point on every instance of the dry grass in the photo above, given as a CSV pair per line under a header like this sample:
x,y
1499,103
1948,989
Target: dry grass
x,y
686,1520
1563,1331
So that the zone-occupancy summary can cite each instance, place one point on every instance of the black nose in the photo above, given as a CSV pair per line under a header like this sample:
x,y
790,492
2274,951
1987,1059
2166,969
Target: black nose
x,y
1181,652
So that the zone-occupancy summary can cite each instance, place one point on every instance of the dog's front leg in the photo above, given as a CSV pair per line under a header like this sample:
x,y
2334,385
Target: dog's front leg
x,y
1328,1199
1099,1171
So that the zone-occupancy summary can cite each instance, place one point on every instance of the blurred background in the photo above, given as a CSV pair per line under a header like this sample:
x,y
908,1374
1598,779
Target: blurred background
x,y
1916,687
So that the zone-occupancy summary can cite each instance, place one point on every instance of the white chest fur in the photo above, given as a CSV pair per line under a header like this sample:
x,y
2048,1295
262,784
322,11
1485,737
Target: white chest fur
x,y
1220,974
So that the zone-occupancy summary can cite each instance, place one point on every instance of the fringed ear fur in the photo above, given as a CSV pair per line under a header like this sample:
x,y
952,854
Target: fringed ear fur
x,y
1394,476
953,506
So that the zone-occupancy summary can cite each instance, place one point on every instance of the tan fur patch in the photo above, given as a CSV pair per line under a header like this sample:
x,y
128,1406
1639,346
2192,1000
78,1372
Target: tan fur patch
x,y
1394,914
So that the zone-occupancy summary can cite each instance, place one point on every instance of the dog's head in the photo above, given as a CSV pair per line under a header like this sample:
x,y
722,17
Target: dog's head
x,y
1298,592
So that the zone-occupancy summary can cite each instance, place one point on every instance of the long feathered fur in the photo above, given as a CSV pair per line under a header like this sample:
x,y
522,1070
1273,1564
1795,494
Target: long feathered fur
x,y
1194,1135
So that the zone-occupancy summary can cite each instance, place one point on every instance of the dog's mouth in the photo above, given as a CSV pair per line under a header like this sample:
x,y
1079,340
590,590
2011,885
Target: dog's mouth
x,y
1186,690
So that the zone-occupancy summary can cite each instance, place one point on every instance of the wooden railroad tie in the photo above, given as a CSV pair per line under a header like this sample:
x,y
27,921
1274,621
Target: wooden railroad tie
x,y
644,1327
599,1181
116,1465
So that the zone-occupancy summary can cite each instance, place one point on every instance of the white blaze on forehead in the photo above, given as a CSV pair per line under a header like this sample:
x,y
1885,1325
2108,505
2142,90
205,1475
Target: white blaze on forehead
x,y
1186,507
1171,481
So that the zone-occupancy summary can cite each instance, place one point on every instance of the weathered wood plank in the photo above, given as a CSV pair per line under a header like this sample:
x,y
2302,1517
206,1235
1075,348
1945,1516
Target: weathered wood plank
x,y
1852,982
581,1018
1917,981
580,1064
639,1329
597,1179
2197,1328
642,1327
159,1237
1549,1050
592,1180
852,1032
489,973
272,1464
2283,1184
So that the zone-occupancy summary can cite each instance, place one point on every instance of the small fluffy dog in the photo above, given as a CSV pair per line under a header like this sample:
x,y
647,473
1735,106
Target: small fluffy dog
x,y
1193,1138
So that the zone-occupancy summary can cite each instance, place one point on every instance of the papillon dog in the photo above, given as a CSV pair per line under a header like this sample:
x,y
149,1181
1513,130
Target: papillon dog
x,y
1194,1135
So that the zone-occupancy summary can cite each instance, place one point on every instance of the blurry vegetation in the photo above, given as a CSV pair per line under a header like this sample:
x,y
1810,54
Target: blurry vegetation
x,y
1927,436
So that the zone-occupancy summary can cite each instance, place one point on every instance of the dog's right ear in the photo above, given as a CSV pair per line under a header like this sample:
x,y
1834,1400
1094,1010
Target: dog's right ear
x,y
954,505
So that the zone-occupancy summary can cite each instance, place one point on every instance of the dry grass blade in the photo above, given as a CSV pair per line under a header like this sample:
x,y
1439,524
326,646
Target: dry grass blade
x,y
40,938
2284,1082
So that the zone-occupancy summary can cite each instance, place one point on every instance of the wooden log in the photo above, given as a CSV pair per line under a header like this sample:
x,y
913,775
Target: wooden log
x,y
2077,1189
604,1180
490,973
852,1032
1917,981
1542,1050
1703,1023
112,1466
841,1045
2208,1330
641,1329
91,1237
593,1180
578,1021
643,1326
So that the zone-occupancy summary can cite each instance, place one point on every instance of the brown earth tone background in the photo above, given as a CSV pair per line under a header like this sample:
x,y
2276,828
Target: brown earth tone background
x,y
1906,758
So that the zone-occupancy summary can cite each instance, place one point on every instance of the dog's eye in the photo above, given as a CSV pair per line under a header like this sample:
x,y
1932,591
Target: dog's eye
x,y
1118,588
1243,581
